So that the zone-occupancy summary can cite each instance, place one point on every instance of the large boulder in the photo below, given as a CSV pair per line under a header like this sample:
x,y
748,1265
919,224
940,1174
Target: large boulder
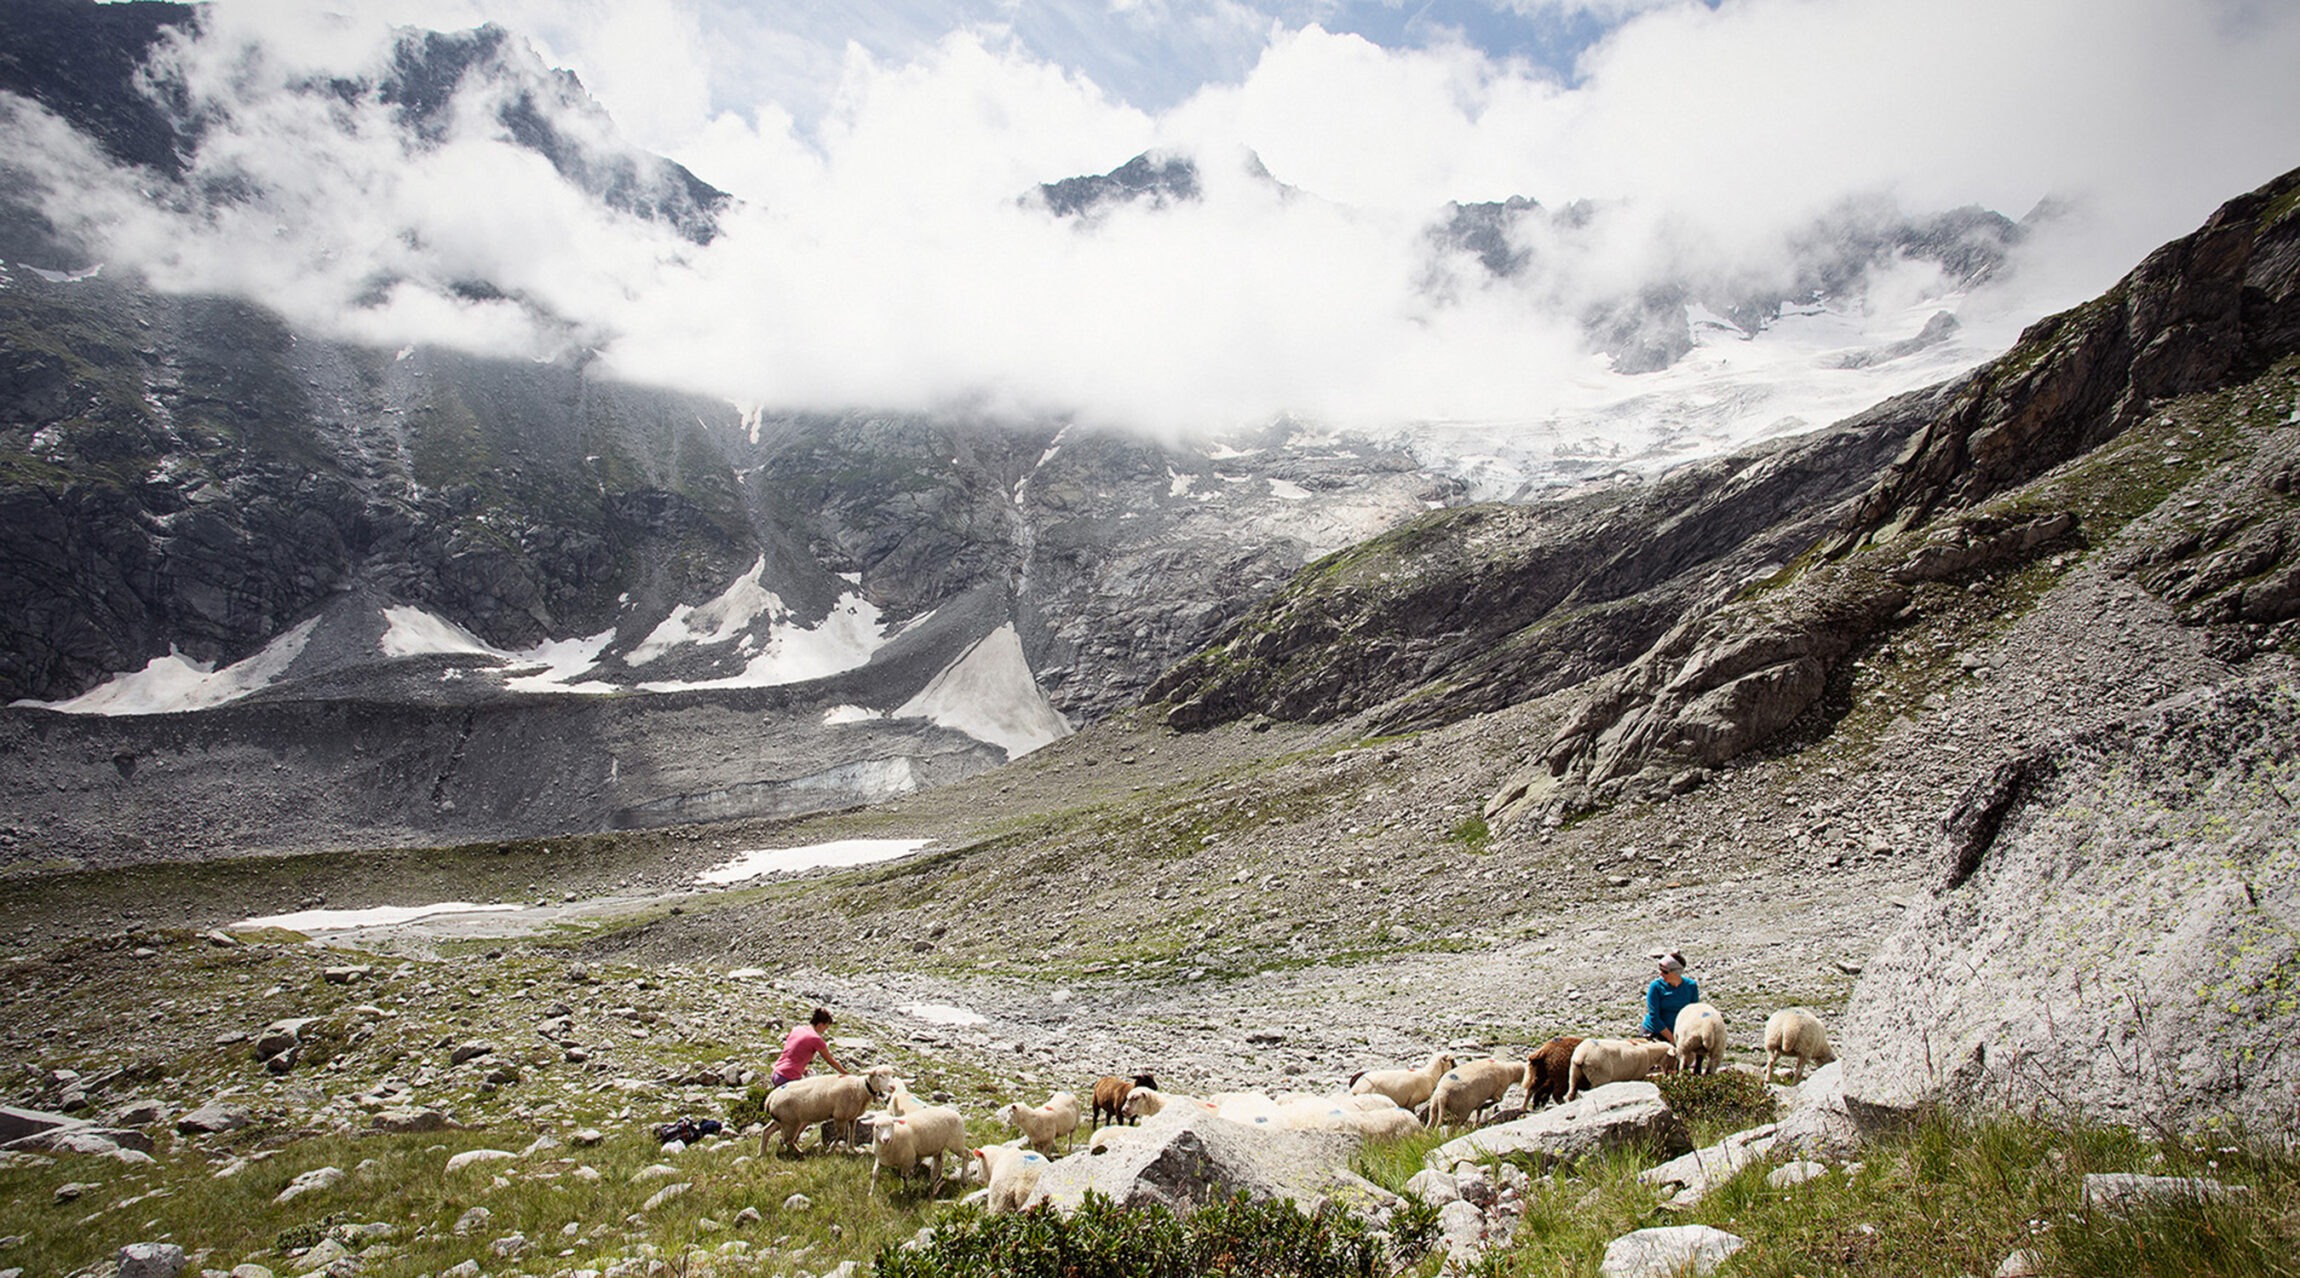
x,y
2113,934
1615,1116
1184,1158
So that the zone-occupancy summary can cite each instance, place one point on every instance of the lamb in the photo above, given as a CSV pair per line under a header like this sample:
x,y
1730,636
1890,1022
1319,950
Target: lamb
x,y
1408,1087
1796,1031
835,1099
1548,1070
1110,1096
1010,1171
1043,1124
1700,1038
921,1136
1598,1061
1467,1088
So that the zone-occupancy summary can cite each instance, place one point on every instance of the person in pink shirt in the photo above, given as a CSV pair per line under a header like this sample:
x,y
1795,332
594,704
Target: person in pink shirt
x,y
804,1044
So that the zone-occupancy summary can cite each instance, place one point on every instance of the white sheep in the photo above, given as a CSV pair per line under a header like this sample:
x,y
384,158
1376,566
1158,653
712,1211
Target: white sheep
x,y
1142,1102
1598,1061
921,1136
1373,1115
1248,1109
1386,1123
1471,1086
837,1099
1796,1031
1408,1087
901,1101
1107,1138
1700,1039
1043,1124
1010,1171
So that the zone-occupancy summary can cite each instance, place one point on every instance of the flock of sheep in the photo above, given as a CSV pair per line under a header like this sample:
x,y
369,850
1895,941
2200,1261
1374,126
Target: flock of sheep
x,y
905,1132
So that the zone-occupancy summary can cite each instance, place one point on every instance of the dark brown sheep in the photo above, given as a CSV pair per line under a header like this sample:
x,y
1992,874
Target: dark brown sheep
x,y
1110,1093
1548,1070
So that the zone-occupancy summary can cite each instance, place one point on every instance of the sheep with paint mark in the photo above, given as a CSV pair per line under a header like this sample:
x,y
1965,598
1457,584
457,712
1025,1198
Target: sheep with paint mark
x,y
921,1136
901,1101
1470,1087
1110,1092
1700,1046
1010,1171
1598,1061
1796,1031
1410,1088
836,1099
1045,1124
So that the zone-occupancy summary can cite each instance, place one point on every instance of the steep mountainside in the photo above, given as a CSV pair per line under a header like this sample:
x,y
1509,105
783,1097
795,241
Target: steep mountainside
x,y
1730,602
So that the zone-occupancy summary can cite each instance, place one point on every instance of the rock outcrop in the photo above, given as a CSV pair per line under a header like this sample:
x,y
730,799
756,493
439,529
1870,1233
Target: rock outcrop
x,y
1185,1158
2114,934
2214,310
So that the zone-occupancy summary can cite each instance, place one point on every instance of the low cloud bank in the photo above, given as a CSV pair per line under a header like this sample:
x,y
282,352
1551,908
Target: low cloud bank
x,y
884,255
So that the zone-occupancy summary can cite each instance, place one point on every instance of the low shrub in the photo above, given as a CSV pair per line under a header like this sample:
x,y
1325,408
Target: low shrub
x,y
752,1108
1726,1101
1103,1240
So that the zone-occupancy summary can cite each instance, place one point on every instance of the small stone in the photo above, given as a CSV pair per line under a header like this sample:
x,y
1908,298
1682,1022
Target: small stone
x,y
311,1182
151,1260
666,1194
250,1271
1434,1187
473,1221
471,1156
2117,1191
1794,1174
1462,1226
346,975
747,1216
71,1190
1669,1252
468,1269
586,1137
798,1202
409,1120
510,1246
2021,1264
469,1051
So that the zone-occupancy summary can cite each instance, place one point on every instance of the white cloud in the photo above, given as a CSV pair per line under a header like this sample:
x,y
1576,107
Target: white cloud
x,y
883,258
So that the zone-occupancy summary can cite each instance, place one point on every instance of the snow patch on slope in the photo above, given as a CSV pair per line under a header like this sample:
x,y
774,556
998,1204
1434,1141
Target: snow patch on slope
x,y
411,632
841,853
990,694
167,685
846,639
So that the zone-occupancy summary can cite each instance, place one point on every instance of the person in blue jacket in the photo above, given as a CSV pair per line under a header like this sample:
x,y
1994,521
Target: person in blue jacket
x,y
1670,993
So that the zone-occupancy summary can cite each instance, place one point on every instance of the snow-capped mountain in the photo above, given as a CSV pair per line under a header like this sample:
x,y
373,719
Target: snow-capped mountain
x,y
391,591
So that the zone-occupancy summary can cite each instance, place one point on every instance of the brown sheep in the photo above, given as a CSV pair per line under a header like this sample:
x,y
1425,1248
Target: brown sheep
x,y
1110,1093
1549,1070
